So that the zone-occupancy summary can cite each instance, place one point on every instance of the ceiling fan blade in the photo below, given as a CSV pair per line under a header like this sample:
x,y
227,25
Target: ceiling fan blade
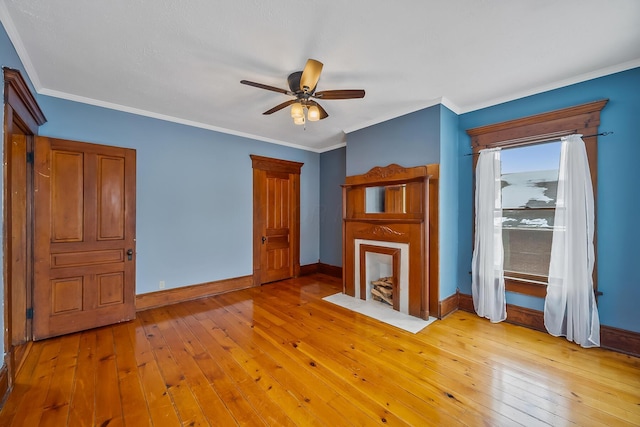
x,y
310,75
280,106
267,87
340,94
323,113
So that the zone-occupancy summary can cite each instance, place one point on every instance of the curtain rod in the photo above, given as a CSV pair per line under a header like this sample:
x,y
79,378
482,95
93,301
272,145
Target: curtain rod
x,y
551,137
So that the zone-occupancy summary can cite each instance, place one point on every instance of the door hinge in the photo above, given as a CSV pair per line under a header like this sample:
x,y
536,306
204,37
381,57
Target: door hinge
x,y
30,157
30,313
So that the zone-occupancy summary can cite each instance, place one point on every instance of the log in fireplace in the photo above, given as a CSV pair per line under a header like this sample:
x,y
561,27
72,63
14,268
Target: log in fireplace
x,y
382,290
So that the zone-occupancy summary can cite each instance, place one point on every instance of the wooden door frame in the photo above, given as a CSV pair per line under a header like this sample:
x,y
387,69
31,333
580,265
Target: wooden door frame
x,y
261,164
21,115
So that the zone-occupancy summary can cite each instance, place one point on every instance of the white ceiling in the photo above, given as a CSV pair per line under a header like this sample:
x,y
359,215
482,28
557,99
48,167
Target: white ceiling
x,y
183,60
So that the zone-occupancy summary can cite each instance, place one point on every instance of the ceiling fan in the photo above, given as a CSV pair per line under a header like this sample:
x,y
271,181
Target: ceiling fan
x,y
302,86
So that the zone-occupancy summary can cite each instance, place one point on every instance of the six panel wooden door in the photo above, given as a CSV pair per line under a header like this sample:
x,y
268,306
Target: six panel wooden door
x,y
84,209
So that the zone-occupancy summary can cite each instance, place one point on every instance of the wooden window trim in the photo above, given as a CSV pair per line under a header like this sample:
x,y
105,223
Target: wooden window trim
x,y
545,127
527,288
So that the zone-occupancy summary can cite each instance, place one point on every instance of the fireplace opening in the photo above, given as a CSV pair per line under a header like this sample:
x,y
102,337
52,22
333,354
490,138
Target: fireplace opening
x,y
381,266
382,273
380,259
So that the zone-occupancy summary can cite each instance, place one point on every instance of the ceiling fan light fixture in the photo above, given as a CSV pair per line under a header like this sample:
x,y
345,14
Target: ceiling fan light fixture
x,y
313,114
302,85
297,111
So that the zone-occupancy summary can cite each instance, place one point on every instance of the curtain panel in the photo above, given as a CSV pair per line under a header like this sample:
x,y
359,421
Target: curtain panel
x,y
487,284
570,306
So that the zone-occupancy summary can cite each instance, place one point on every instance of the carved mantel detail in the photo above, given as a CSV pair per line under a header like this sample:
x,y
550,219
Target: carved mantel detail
x,y
384,231
380,172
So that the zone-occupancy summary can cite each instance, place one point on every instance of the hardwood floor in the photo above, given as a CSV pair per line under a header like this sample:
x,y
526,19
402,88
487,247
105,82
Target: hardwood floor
x,y
279,355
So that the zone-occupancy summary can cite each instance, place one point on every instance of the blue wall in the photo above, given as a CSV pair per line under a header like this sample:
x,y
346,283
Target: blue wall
x,y
332,175
409,140
618,198
194,192
448,202
424,137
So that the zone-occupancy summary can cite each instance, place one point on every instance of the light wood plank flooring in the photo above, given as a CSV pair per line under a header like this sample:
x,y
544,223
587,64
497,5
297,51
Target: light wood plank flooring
x,y
278,355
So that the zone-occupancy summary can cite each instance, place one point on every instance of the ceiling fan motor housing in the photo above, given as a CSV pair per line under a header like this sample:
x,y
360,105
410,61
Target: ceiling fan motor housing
x,y
294,83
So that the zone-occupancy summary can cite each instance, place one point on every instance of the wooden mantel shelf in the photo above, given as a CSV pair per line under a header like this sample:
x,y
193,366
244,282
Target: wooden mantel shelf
x,y
386,220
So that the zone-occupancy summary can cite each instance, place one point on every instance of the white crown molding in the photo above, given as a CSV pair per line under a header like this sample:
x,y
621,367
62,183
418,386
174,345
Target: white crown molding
x,y
140,112
12,32
450,105
333,147
430,103
556,85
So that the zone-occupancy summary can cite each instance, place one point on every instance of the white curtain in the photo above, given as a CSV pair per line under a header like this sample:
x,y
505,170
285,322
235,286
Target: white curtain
x,y
570,306
487,284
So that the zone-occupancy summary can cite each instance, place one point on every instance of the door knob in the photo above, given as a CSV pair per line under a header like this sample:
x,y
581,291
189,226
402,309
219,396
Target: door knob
x,y
130,254
264,239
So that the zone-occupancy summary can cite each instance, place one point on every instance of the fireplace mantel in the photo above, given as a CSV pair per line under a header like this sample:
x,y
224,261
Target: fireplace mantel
x,y
399,205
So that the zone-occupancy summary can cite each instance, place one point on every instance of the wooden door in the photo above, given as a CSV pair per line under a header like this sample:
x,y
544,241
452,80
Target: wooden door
x,y
276,206
84,207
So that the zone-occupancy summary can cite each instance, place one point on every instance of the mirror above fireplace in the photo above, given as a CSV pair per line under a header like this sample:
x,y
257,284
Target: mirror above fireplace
x,y
386,199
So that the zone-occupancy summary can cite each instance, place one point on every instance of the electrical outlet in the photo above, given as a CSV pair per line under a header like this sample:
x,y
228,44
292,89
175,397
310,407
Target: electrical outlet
x,y
161,284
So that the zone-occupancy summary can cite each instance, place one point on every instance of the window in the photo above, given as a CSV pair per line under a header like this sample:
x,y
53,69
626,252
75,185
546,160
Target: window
x,y
529,147
529,187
